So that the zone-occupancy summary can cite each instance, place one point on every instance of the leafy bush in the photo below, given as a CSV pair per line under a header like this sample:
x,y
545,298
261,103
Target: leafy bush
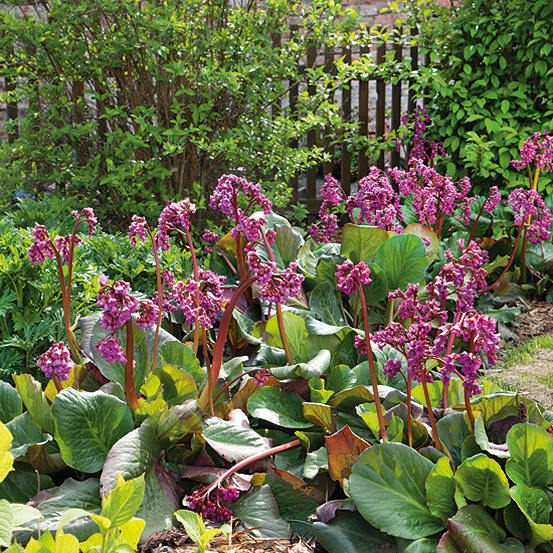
x,y
154,99
489,85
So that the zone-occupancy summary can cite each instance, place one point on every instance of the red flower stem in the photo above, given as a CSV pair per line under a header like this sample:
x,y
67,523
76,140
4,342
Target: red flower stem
x,y
472,231
130,390
229,384
468,407
196,272
282,332
511,259
57,383
431,415
208,367
449,348
280,318
372,368
219,348
533,186
252,459
66,303
440,225
159,295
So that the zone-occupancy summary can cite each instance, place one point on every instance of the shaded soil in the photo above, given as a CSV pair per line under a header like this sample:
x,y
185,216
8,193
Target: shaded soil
x,y
176,541
535,320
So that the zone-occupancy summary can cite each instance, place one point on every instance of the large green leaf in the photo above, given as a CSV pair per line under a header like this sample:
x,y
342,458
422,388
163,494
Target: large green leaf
x,y
178,421
481,479
258,508
360,243
531,449
293,503
312,368
432,243
232,440
296,333
350,533
287,240
87,425
132,455
177,384
181,356
70,495
10,402
35,401
6,523
473,530
387,485
403,258
25,433
278,407
440,490
453,430
159,503
536,506
324,303
23,483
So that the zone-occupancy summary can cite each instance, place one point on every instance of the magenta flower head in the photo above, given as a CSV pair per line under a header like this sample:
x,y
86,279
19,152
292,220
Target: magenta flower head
x,y
210,237
56,361
42,246
118,305
377,201
529,203
137,230
261,377
492,201
209,502
351,277
111,350
174,215
274,287
200,300
86,215
537,149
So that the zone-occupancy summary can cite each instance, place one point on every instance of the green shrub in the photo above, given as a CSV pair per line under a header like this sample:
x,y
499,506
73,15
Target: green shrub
x,y
490,85
131,104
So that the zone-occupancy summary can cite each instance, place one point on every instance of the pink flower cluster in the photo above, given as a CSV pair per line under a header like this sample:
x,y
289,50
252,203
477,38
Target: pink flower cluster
x,y
492,201
118,308
56,361
377,202
434,195
200,300
226,198
529,204
274,286
462,275
174,215
261,377
421,148
351,277
477,330
209,502
137,230
414,342
43,247
332,195
537,149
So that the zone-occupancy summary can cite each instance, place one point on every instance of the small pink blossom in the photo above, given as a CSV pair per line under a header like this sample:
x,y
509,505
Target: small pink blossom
x,y
56,361
351,277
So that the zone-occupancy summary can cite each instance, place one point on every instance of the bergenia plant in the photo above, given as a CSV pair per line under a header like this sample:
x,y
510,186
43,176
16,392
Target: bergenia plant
x,y
351,278
62,249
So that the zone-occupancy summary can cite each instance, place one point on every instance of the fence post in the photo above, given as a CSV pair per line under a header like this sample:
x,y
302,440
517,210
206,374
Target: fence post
x,y
380,102
396,104
363,119
346,110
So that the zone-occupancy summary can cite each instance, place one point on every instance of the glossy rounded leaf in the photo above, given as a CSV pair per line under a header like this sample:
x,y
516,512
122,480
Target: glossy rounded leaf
x,y
87,424
403,258
531,449
387,485
360,243
440,490
278,407
481,479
